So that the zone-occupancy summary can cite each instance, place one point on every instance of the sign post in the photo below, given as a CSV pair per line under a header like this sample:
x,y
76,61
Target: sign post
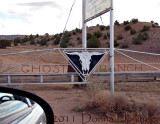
x,y
111,49
84,32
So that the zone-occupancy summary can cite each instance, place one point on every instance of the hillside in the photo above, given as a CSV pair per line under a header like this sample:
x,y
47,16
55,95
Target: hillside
x,y
145,37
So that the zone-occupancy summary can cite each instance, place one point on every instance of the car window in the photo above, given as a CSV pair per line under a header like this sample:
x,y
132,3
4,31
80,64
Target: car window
x,y
11,107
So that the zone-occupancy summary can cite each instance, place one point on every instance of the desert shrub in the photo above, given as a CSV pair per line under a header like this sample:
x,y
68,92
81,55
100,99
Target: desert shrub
x,y
116,44
72,44
66,39
78,38
57,40
108,27
128,27
37,35
105,36
140,38
137,40
134,21
25,39
117,23
43,42
32,42
78,30
126,22
156,23
102,27
132,31
4,43
31,37
89,36
145,36
16,41
108,35
125,44
145,28
94,43
67,34
74,33
63,44
97,34
46,34
119,37
154,26
104,102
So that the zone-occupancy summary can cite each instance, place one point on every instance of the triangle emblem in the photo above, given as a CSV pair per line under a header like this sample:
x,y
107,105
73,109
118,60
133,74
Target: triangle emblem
x,y
84,62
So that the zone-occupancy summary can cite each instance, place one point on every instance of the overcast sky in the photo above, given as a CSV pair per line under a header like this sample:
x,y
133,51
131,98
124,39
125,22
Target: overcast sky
x,y
49,16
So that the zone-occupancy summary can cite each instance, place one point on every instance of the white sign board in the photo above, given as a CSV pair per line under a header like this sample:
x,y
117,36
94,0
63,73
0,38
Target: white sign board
x,y
95,8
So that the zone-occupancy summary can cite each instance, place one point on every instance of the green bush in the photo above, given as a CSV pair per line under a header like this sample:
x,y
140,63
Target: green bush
x,y
25,39
134,21
63,44
105,36
156,23
137,40
78,38
43,42
16,41
124,44
97,34
46,34
4,43
154,26
128,27
67,34
89,36
57,40
145,36
74,33
32,42
145,28
116,23
116,44
37,35
94,43
108,27
78,30
140,38
102,27
126,22
119,37
132,31
72,44
31,37
108,35
66,39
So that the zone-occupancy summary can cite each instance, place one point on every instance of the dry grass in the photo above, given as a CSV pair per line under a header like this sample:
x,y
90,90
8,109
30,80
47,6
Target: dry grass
x,y
120,107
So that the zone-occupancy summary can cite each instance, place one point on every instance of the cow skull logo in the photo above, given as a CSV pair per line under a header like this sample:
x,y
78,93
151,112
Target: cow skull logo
x,y
84,60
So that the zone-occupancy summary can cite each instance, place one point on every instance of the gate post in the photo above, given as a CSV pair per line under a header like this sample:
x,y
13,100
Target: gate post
x,y
9,79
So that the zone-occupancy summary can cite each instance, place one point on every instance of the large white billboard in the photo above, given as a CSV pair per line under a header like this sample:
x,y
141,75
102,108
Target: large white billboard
x,y
95,8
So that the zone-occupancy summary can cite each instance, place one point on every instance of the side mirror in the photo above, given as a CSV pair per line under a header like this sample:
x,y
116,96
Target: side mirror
x,y
18,106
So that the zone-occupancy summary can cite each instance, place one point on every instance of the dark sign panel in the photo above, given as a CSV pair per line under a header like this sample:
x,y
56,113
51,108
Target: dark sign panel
x,y
84,61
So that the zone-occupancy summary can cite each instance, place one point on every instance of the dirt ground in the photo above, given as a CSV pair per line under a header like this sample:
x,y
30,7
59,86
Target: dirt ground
x,y
67,101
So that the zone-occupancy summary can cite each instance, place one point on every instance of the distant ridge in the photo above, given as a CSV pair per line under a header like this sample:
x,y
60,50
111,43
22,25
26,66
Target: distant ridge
x,y
11,37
